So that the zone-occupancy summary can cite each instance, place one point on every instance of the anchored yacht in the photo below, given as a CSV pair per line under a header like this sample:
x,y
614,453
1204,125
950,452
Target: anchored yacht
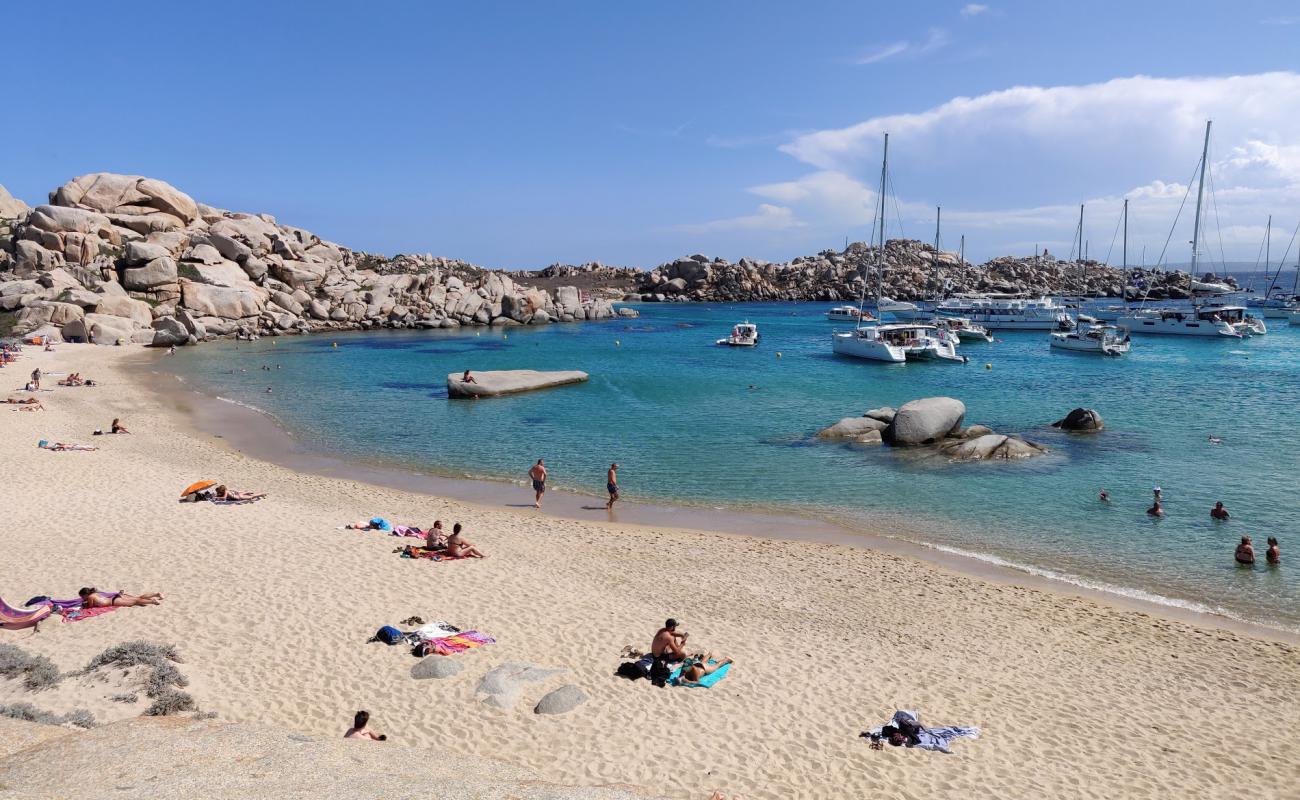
x,y
1008,313
743,335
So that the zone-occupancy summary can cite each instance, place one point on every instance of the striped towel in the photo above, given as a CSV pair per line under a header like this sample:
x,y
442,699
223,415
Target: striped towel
x,y
451,645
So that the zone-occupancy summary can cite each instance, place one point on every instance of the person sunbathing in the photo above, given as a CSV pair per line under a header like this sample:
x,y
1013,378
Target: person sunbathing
x,y
59,447
693,670
457,547
93,598
222,494
23,401
118,427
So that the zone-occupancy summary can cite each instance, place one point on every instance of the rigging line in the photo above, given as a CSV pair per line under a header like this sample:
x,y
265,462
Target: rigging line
x,y
1161,259
1218,229
1114,236
1296,283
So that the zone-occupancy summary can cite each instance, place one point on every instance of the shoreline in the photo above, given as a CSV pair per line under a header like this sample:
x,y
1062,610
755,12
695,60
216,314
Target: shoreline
x,y
258,434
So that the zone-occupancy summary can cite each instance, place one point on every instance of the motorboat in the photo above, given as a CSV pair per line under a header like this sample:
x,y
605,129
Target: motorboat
x,y
745,334
1273,307
966,330
848,314
1240,318
1007,313
1217,321
898,342
1106,340
903,310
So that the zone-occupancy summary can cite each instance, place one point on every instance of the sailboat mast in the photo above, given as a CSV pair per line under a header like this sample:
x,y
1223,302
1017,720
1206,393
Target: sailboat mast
x,y
1268,256
1200,194
1124,282
938,215
1083,262
961,257
880,254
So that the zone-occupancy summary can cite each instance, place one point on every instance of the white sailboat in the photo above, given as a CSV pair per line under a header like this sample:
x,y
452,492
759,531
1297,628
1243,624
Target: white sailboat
x,y
1105,340
1272,305
1224,322
895,342
744,334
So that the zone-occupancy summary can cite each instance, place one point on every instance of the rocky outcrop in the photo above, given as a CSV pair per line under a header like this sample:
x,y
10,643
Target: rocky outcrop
x,y
853,428
990,446
501,686
234,273
509,381
561,700
911,270
925,421
1081,420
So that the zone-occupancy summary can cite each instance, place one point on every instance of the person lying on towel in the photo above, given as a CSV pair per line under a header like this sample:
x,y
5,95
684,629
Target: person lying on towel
x,y
694,669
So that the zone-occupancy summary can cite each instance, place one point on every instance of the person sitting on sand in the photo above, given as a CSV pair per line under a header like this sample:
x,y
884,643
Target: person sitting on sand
x,y
668,642
1245,552
1156,510
93,598
1273,555
360,731
230,495
435,538
693,670
1219,512
467,378
457,547
118,427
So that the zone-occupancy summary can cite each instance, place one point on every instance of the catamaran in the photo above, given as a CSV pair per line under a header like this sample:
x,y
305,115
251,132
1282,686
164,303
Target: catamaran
x,y
1219,321
1106,340
897,342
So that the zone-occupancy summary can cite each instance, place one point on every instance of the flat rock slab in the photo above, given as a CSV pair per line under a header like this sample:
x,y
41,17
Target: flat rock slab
x,y
501,686
509,381
436,667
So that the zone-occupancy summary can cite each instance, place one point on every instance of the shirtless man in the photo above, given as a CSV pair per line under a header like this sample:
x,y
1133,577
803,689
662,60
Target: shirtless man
x,y
538,476
611,485
669,642
1219,512
360,731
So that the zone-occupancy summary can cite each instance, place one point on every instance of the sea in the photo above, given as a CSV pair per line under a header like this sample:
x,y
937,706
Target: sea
x,y
697,424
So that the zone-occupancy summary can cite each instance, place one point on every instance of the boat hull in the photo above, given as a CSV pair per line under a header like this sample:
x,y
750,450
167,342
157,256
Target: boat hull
x,y
854,346
1175,327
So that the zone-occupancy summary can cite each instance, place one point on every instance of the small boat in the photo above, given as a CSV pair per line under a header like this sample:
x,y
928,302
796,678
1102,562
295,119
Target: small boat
x,y
1206,287
898,342
1106,340
964,328
744,334
903,310
848,314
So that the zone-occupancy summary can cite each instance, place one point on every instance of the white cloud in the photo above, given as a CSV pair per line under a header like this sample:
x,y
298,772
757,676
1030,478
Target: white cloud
x,y
768,218
935,39
1012,166
974,9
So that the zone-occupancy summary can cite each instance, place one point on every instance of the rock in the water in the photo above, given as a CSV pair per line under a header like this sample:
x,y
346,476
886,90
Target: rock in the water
x,y
501,686
851,428
925,421
509,381
1083,420
991,446
438,667
885,414
976,431
561,701
870,437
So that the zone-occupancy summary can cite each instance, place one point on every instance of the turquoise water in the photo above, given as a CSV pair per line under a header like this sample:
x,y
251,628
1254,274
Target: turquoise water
x,y
680,417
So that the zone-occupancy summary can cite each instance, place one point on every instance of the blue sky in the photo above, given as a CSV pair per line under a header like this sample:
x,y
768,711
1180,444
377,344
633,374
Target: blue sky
x,y
519,134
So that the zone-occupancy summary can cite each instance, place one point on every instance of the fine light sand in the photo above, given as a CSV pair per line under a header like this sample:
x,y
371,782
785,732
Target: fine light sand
x,y
272,606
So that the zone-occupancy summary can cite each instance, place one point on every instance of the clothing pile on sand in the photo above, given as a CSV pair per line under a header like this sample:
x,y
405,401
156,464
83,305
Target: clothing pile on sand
x,y
432,638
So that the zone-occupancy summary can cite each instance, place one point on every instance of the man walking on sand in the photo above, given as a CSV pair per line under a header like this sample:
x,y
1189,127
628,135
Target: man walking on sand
x,y
538,475
611,484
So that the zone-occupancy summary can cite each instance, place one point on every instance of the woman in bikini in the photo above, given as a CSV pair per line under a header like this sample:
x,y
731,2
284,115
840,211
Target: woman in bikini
x,y
459,548
93,598
696,668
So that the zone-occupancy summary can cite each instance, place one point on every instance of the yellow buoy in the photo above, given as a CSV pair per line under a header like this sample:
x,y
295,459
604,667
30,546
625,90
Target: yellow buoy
x,y
988,366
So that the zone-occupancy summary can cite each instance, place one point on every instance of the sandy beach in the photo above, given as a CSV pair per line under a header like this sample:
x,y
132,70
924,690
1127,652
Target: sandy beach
x,y
271,605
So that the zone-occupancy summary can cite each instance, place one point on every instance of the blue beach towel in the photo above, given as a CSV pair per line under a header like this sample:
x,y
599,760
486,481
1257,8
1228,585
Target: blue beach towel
x,y
705,682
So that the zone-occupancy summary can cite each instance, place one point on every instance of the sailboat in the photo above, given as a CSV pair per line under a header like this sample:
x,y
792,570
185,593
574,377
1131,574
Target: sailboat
x,y
1273,305
1112,313
1223,321
893,342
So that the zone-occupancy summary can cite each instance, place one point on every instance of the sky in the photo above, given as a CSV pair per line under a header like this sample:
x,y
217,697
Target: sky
x,y
522,134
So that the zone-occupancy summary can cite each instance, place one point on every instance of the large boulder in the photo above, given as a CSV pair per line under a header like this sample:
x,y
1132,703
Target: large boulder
x,y
925,421
138,311
30,257
991,446
158,272
509,381
436,667
142,252
885,414
501,686
169,332
851,428
104,329
10,206
125,194
1081,420
220,301
561,700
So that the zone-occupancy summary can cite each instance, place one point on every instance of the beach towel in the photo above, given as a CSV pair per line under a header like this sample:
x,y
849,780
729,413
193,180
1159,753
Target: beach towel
x,y
451,645
934,739
407,530
17,618
708,680
432,555
217,502
78,614
436,630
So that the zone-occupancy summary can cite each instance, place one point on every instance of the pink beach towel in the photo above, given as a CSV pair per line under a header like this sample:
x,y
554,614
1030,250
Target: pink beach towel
x,y
78,614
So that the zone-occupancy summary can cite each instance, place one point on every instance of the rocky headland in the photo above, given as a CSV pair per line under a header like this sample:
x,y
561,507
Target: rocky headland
x,y
123,258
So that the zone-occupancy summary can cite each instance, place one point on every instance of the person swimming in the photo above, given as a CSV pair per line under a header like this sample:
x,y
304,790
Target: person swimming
x,y
1103,495
1156,510
1245,552
1219,512
1273,555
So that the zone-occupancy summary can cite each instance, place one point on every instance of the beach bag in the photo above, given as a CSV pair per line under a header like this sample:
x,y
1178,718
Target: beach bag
x,y
659,672
390,635
633,670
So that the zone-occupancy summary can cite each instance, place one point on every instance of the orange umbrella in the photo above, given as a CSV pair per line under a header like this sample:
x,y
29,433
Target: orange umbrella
x,y
197,487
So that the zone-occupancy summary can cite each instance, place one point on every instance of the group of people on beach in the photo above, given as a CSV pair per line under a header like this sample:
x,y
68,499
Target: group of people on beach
x,y
537,474
1245,553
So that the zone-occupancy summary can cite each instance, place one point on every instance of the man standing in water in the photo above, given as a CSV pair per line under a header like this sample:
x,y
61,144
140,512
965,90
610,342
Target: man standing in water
x,y
611,484
538,475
